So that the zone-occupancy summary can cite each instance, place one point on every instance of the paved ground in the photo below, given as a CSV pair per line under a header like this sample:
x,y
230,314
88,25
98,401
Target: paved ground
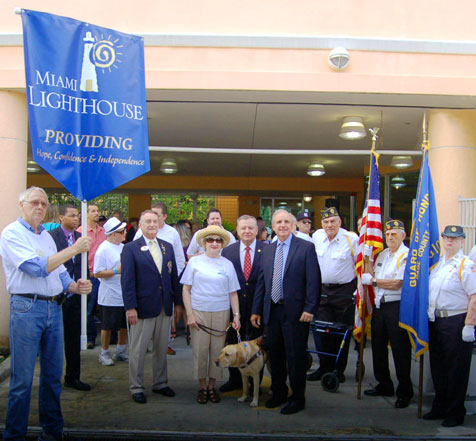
x,y
109,407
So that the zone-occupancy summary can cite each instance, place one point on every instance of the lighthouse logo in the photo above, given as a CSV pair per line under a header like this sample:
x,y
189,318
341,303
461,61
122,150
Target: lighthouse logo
x,y
103,54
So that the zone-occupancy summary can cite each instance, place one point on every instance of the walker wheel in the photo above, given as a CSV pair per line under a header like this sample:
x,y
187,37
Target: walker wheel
x,y
330,382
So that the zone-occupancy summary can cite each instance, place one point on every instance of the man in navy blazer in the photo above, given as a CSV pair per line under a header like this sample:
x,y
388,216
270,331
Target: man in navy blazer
x,y
286,303
247,229
150,288
69,221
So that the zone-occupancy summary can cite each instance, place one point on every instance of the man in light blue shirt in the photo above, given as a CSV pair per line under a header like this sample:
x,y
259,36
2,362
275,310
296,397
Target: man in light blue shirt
x,y
37,282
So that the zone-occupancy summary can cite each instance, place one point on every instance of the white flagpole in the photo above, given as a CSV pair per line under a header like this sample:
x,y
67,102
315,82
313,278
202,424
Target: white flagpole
x,y
84,275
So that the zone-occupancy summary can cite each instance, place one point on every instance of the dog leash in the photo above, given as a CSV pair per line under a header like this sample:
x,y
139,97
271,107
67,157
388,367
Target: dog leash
x,y
214,332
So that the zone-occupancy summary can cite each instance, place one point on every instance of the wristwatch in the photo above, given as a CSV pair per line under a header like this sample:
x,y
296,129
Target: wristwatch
x,y
374,282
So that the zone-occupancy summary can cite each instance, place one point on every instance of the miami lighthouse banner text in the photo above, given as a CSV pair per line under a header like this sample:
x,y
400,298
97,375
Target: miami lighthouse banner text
x,y
85,92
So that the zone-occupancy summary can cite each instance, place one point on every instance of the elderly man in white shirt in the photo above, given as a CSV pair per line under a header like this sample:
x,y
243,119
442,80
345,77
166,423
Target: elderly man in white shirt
x,y
336,253
387,281
452,315
213,218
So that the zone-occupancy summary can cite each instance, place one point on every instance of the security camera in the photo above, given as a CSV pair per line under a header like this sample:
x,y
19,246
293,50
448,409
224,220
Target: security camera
x,y
339,58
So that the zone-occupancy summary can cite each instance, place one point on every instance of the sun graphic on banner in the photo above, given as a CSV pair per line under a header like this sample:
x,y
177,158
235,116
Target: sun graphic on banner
x,y
105,54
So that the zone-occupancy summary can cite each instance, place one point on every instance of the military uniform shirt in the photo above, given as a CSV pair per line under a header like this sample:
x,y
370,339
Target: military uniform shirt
x,y
337,257
448,290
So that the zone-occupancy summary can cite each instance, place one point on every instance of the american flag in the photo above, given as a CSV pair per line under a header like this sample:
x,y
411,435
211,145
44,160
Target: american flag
x,y
370,244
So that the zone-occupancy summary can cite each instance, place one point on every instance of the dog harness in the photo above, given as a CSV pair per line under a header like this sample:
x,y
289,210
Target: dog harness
x,y
253,358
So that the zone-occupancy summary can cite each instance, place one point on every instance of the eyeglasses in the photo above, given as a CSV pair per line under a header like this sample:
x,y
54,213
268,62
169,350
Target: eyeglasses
x,y
37,202
214,239
306,222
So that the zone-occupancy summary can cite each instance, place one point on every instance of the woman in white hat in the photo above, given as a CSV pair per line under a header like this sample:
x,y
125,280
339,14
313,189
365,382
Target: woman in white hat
x,y
209,287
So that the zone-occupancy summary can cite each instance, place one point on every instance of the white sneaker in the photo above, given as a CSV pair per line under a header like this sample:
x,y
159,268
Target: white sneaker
x,y
121,356
105,359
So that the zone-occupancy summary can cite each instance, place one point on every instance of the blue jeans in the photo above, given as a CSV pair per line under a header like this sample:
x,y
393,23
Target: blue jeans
x,y
92,306
36,327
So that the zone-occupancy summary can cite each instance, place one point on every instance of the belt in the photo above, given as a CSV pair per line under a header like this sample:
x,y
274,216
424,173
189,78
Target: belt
x,y
390,298
444,313
58,298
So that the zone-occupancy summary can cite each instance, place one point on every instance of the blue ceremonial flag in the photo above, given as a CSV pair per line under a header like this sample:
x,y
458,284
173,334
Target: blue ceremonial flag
x,y
423,256
85,89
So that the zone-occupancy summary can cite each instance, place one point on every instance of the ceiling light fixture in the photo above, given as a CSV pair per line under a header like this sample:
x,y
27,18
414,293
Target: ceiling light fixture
x,y
307,198
401,162
168,166
316,170
32,167
398,182
352,128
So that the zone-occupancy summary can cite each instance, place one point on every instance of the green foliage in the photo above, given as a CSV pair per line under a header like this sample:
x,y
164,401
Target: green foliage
x,y
228,225
181,206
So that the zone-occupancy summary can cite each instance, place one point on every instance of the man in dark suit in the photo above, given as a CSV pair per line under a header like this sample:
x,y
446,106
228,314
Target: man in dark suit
x,y
64,236
286,297
246,258
150,288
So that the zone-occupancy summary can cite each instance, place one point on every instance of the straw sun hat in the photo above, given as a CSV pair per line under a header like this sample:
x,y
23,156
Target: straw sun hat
x,y
213,230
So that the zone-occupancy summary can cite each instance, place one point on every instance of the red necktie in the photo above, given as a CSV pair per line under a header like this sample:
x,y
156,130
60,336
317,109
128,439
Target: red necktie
x,y
247,265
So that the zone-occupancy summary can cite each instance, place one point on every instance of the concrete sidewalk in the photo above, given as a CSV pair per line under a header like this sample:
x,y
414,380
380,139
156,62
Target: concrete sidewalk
x,y
109,407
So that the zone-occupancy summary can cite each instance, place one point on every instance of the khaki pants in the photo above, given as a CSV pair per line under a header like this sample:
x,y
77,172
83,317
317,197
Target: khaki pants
x,y
157,329
206,348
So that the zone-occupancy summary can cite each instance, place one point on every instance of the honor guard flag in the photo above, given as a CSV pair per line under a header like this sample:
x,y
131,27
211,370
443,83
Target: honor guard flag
x,y
423,255
85,92
370,244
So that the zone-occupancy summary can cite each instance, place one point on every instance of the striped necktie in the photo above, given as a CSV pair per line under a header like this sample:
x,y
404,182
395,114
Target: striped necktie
x,y
276,287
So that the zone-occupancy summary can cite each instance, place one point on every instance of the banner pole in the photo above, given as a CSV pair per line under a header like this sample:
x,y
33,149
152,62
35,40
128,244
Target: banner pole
x,y
84,275
362,338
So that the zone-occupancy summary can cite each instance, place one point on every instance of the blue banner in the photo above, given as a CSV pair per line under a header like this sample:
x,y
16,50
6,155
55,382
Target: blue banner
x,y
85,90
423,256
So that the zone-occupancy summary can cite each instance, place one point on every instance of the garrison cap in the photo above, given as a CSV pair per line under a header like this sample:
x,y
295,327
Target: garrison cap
x,y
394,224
329,212
453,231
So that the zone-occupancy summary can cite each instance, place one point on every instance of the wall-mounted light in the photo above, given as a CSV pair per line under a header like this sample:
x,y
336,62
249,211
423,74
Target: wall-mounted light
x,y
316,170
338,58
307,198
402,162
352,128
398,182
168,166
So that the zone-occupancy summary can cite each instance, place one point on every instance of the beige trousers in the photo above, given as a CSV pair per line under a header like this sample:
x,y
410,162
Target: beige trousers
x,y
157,329
205,347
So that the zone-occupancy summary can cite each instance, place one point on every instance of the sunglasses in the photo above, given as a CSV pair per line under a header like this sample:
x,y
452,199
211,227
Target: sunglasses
x,y
214,239
306,222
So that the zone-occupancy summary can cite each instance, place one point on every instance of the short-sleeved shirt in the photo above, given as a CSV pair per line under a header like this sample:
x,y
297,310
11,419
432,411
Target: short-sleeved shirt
x,y
18,245
451,284
390,266
195,248
108,257
212,280
336,257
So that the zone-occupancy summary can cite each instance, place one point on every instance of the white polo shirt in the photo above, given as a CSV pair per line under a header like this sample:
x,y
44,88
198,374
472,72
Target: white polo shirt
x,y
337,257
212,280
18,245
451,284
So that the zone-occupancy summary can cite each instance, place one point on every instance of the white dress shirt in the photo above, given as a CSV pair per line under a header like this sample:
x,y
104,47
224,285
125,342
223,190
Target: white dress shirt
x,y
337,257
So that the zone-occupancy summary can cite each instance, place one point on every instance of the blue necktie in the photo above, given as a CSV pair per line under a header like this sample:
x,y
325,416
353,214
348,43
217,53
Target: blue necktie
x,y
276,287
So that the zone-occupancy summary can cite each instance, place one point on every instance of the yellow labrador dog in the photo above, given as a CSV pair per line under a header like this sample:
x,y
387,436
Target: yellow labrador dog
x,y
250,359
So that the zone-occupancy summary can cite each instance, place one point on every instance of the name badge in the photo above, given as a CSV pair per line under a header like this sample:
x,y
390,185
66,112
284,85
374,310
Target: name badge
x,y
144,248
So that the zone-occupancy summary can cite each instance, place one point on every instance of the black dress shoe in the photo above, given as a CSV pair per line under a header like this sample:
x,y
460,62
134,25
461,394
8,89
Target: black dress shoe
x,y
229,386
401,403
139,397
165,391
433,415
275,402
378,393
78,385
452,421
292,407
316,375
